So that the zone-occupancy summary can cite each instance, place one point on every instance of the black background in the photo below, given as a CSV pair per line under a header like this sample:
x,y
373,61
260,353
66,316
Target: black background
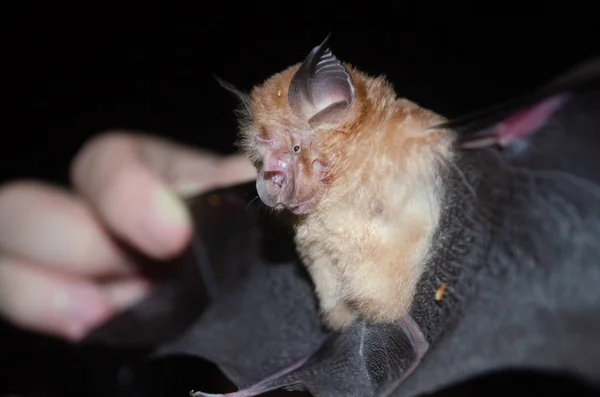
x,y
74,71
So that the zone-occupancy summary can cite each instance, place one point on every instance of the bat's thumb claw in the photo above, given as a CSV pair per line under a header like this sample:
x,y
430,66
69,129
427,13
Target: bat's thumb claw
x,y
200,394
241,393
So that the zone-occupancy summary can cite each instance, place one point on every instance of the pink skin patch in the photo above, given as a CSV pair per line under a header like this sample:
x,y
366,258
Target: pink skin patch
x,y
519,125
276,182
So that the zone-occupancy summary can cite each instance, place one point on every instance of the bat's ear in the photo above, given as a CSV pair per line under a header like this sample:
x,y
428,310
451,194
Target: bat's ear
x,y
242,96
322,90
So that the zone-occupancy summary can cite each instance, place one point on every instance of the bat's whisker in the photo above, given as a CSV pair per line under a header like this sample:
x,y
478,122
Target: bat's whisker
x,y
250,203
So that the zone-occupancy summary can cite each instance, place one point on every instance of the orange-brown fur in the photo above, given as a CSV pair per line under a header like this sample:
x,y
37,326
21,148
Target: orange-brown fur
x,y
379,203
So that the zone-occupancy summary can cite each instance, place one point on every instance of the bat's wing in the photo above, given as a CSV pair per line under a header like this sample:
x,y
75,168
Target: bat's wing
x,y
226,244
263,321
513,282
520,259
513,122
267,325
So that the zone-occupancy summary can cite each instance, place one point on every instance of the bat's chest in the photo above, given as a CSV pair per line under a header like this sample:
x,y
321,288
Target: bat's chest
x,y
345,234
376,228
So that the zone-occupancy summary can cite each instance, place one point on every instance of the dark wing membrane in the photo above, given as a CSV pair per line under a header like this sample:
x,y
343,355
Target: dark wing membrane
x,y
530,260
583,77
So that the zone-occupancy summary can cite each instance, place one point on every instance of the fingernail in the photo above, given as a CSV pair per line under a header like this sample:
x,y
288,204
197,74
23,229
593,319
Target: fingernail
x,y
126,294
188,189
170,209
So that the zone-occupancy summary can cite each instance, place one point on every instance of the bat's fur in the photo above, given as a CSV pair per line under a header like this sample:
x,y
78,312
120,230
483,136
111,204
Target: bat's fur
x,y
373,183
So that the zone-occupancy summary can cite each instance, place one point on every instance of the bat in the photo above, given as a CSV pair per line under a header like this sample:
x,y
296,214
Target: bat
x,y
357,165
509,279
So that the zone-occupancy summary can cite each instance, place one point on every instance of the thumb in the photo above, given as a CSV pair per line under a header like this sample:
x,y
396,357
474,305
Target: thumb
x,y
129,180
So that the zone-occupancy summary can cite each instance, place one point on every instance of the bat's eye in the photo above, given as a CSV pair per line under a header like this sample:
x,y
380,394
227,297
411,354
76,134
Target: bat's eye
x,y
297,149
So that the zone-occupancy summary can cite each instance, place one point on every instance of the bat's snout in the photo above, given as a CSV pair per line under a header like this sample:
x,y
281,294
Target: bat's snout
x,y
272,187
277,178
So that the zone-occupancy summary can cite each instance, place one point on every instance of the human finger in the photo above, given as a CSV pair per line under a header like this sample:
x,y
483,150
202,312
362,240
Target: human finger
x,y
44,224
133,180
61,304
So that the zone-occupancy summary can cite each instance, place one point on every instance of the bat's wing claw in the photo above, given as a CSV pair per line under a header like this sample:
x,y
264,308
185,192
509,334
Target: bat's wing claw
x,y
250,392
201,394
276,381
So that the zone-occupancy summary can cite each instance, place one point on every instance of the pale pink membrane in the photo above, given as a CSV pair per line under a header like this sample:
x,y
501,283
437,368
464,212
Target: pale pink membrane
x,y
520,125
529,120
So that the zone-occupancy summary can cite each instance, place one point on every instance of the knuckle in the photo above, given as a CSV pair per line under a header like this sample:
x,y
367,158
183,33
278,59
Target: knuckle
x,y
97,150
11,193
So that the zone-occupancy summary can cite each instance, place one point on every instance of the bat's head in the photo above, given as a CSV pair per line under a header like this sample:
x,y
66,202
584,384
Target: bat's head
x,y
293,126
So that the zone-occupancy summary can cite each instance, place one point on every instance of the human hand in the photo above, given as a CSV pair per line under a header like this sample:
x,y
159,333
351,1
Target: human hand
x,y
61,270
